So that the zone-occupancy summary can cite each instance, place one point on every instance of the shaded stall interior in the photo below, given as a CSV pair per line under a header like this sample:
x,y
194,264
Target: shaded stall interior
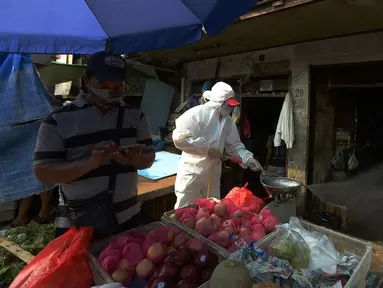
x,y
346,103
345,114
260,110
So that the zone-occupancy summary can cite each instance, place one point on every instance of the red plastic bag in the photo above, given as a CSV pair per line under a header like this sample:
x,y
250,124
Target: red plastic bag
x,y
243,197
60,264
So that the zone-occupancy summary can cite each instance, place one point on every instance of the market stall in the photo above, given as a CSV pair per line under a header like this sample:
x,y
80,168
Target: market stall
x,y
156,186
158,197
149,190
231,242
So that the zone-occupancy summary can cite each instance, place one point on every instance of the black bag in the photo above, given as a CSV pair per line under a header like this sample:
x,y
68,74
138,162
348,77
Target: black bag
x,y
98,211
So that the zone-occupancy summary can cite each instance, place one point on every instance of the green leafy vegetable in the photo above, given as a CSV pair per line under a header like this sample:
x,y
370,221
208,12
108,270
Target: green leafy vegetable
x,y
32,238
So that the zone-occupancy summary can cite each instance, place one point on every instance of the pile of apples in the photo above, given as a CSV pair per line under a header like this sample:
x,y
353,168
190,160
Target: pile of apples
x,y
164,258
224,223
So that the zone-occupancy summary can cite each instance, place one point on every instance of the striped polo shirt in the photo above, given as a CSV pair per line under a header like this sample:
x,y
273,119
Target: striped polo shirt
x,y
71,132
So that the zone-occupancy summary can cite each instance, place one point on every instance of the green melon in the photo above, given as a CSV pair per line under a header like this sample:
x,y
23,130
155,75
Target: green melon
x,y
230,274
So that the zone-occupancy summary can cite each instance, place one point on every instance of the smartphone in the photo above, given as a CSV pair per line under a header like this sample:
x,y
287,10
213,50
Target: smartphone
x,y
144,149
130,146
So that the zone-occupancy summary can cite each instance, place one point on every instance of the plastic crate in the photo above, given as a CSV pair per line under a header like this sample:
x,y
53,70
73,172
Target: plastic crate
x,y
342,243
100,276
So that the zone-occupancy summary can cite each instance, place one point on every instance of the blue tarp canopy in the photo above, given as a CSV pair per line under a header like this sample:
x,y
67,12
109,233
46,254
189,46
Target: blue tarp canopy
x,y
85,27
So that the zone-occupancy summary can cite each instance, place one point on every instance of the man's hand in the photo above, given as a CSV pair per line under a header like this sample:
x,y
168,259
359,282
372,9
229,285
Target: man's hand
x,y
102,152
134,156
67,172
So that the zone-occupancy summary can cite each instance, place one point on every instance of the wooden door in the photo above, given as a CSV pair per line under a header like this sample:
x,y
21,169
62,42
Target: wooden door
x,y
324,135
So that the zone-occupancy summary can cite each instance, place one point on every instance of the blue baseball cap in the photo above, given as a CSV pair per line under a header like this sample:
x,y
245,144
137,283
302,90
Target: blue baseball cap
x,y
106,66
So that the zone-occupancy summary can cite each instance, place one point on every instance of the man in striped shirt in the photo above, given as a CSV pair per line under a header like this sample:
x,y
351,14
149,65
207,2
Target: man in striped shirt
x,y
77,147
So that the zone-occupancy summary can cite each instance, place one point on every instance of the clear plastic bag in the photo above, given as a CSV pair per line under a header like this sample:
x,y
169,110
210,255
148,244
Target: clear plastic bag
x,y
323,254
293,248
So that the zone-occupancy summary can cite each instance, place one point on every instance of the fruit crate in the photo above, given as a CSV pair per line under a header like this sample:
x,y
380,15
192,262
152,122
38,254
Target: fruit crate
x,y
168,220
343,243
100,276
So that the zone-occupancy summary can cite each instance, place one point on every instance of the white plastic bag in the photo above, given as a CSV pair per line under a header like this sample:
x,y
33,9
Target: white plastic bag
x,y
323,254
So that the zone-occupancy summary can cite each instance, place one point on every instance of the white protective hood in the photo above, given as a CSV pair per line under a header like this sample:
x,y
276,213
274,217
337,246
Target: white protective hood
x,y
219,93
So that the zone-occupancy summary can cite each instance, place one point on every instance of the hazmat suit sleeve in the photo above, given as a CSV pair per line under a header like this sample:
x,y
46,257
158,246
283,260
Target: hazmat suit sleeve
x,y
185,136
234,146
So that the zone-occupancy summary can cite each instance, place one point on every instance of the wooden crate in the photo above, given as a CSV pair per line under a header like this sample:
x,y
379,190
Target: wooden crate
x,y
7,211
314,204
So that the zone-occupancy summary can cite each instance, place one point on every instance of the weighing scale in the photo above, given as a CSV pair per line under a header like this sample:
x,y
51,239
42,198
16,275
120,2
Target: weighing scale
x,y
283,190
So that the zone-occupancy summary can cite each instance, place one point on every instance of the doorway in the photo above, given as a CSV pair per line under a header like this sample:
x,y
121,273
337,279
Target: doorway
x,y
345,108
345,116
261,112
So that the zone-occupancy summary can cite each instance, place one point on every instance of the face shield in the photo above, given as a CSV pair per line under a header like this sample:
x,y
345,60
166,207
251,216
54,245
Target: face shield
x,y
228,106
226,110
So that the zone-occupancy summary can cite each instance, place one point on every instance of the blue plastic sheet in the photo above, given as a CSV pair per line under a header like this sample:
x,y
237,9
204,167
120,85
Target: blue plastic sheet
x,y
23,98
165,165
22,95
156,103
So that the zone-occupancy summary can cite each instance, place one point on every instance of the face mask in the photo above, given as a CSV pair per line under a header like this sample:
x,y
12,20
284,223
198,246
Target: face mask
x,y
109,97
226,110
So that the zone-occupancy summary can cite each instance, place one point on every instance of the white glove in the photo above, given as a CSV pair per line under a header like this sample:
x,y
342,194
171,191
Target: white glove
x,y
214,152
254,165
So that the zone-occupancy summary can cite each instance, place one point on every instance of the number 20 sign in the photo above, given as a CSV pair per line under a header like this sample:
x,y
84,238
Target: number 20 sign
x,y
298,93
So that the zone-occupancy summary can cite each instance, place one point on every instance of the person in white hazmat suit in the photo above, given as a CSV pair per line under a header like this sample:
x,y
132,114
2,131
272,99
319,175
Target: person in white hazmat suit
x,y
203,133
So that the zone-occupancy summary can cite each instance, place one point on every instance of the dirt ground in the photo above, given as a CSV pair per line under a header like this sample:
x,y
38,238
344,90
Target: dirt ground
x,y
377,259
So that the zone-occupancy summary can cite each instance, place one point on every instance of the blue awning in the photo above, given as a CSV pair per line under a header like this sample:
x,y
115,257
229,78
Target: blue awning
x,y
85,27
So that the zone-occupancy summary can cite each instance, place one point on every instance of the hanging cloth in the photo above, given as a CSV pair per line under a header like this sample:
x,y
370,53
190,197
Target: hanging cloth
x,y
247,129
285,127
